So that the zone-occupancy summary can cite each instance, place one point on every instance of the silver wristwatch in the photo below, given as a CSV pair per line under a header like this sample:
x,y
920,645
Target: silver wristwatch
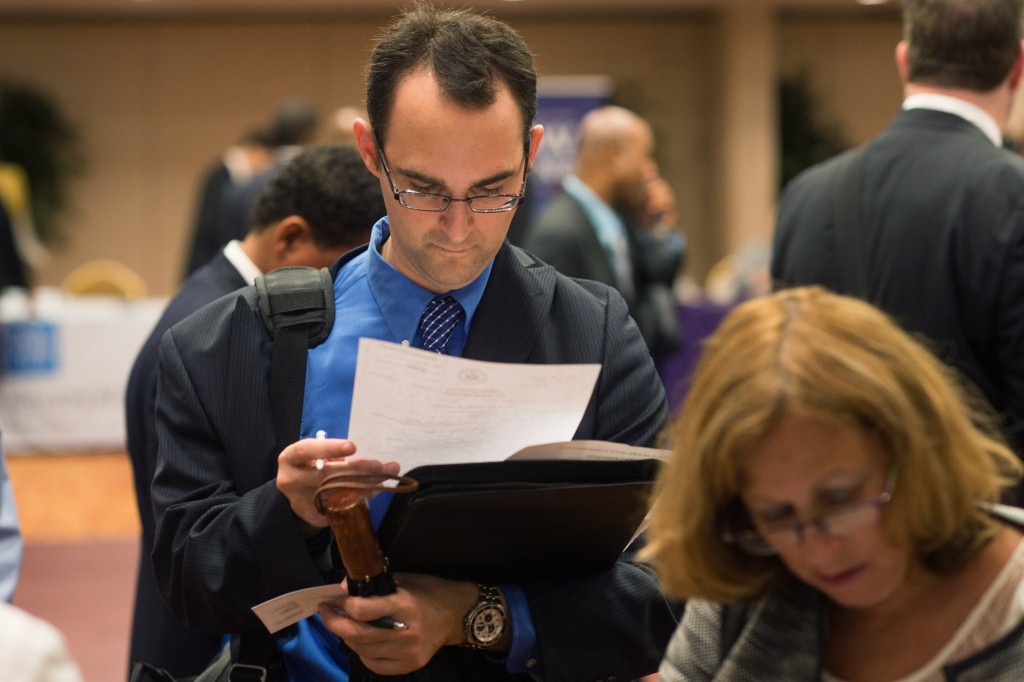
x,y
485,623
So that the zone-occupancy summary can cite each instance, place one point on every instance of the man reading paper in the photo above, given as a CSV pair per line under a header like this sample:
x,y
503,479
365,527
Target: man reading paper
x,y
451,98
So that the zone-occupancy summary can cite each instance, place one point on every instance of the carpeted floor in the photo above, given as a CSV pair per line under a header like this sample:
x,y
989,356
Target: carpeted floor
x,y
87,496
80,525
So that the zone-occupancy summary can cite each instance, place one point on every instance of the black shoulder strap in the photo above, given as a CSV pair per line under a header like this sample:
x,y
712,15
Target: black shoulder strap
x,y
849,231
297,306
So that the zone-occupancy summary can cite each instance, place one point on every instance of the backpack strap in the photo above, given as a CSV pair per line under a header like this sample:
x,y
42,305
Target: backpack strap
x,y
297,307
849,231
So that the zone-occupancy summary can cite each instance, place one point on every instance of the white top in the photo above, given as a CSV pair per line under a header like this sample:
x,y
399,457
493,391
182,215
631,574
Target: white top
x,y
32,650
995,614
958,107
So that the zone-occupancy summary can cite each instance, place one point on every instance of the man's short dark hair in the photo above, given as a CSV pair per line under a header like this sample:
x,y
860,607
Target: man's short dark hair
x,y
468,53
970,44
328,186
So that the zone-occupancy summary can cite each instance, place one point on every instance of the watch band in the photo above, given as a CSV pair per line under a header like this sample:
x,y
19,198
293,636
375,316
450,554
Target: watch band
x,y
486,622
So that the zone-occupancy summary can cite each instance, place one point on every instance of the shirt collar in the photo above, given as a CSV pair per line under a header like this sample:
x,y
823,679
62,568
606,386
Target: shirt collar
x,y
401,301
246,268
606,221
958,107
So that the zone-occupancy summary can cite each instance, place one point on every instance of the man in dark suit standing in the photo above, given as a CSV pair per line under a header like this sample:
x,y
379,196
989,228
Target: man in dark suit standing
x,y
451,99
613,221
940,209
321,205
239,163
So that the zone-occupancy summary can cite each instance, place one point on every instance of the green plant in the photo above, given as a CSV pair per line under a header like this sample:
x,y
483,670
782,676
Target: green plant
x,y
805,138
35,135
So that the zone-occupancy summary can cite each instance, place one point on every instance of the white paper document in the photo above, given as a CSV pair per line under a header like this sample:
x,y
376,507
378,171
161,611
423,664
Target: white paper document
x,y
280,612
416,407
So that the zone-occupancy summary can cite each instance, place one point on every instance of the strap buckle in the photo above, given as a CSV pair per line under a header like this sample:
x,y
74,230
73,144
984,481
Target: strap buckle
x,y
241,672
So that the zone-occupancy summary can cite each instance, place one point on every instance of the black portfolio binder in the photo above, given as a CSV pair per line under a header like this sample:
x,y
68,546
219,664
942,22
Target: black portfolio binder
x,y
517,520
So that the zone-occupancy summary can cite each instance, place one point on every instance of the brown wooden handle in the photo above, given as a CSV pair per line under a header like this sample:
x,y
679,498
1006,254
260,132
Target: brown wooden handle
x,y
342,498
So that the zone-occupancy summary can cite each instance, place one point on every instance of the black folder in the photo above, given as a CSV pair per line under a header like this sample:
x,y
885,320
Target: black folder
x,y
517,520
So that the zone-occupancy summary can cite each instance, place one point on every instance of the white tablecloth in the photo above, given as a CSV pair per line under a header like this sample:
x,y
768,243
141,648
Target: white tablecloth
x,y
64,364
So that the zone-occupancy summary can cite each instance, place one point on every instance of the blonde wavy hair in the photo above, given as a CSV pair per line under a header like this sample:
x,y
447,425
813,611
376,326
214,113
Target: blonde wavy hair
x,y
810,353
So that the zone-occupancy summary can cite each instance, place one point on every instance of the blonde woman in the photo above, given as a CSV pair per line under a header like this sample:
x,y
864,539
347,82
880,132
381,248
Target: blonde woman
x,y
829,509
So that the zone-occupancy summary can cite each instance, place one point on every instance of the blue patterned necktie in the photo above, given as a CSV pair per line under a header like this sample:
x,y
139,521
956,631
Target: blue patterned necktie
x,y
438,322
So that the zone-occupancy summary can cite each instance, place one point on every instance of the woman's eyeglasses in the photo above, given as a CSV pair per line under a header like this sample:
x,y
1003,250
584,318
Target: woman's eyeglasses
x,y
838,522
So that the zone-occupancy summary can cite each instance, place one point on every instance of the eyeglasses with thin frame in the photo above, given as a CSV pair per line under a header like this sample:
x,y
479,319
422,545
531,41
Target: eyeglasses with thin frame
x,y
431,201
838,522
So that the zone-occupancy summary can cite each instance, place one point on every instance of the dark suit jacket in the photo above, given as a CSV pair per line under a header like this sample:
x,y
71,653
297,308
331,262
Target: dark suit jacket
x,y
564,237
158,636
237,203
942,211
227,538
205,241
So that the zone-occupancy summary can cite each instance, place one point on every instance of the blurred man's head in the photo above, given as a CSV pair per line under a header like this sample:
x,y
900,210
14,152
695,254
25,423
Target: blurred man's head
x,y
321,204
967,44
615,156
295,124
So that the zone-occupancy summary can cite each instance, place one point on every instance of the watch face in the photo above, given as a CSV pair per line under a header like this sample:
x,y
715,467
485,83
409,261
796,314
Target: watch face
x,y
488,624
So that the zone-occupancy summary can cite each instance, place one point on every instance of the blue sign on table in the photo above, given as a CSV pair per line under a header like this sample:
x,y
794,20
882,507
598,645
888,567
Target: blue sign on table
x,y
29,347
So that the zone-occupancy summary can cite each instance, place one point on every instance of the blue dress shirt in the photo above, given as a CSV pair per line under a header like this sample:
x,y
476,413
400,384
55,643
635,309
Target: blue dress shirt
x,y
611,231
374,300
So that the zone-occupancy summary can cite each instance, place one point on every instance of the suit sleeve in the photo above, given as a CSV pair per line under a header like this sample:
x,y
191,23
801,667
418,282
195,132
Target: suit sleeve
x,y
226,537
1010,337
616,623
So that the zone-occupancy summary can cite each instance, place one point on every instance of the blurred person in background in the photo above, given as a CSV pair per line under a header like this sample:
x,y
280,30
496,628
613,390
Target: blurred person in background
x,y
251,155
935,209
294,128
614,222
230,188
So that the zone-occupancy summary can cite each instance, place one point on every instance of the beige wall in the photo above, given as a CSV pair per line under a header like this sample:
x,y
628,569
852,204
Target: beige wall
x,y
156,101
852,68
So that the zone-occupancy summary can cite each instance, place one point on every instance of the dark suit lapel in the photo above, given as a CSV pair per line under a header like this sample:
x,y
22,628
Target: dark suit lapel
x,y
513,308
224,274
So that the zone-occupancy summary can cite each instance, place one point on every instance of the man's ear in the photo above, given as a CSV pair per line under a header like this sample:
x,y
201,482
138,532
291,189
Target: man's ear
x,y
901,60
1018,66
366,143
290,236
536,133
